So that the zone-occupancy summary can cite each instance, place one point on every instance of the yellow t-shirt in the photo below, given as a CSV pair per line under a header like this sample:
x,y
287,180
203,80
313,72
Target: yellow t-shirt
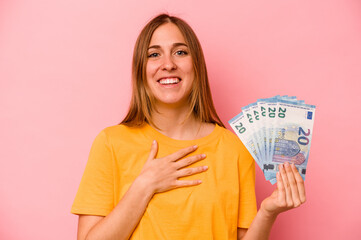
x,y
212,210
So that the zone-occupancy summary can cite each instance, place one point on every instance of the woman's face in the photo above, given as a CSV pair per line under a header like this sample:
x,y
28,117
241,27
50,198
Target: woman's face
x,y
169,68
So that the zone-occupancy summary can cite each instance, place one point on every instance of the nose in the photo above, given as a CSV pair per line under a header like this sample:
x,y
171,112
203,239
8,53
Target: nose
x,y
168,63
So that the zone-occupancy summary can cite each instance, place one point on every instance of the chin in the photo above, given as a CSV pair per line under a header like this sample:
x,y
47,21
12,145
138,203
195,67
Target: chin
x,y
172,102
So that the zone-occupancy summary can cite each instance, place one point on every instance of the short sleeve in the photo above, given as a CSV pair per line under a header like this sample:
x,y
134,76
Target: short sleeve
x,y
95,195
247,204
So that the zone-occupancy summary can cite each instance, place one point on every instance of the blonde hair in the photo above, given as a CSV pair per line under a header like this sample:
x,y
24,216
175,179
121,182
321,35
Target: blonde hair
x,y
142,102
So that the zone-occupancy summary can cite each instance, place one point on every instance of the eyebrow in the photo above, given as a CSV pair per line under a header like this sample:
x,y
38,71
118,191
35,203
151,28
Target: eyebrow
x,y
174,45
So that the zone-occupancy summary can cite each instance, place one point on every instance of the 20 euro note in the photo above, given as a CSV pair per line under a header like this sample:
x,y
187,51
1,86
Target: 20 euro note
x,y
269,109
271,112
251,113
244,132
292,137
275,130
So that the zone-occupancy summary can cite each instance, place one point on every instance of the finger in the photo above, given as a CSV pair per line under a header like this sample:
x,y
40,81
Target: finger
x,y
294,189
181,153
187,183
153,150
191,171
286,185
281,195
189,160
281,192
300,184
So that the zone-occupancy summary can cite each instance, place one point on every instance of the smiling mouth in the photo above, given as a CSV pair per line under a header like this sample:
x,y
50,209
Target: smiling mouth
x,y
169,81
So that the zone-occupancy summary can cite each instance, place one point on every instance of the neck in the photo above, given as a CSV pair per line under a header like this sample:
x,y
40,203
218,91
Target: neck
x,y
175,122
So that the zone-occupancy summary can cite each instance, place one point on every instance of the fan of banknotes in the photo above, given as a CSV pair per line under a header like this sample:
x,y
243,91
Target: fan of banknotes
x,y
276,130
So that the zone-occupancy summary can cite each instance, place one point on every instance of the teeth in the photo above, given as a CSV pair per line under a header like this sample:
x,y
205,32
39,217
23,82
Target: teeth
x,y
169,81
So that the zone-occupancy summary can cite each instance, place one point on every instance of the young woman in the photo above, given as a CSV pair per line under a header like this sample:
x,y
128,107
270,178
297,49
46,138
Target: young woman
x,y
171,170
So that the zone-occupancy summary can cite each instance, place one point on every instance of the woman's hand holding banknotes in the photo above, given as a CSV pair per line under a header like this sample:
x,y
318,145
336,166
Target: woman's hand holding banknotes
x,y
290,192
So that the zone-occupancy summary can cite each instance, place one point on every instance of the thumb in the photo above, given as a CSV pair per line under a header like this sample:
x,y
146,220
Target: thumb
x,y
153,150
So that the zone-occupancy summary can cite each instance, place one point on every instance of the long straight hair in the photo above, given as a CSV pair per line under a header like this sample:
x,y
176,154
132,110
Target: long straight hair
x,y
142,102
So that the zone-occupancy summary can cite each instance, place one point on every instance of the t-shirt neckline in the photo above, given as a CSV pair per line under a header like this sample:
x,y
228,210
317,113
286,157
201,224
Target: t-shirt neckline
x,y
160,137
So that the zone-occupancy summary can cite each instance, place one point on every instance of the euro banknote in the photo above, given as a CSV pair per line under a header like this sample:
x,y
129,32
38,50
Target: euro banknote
x,y
276,130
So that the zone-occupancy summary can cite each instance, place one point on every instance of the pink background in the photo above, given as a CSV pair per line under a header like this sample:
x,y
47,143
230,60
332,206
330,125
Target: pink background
x,y
65,75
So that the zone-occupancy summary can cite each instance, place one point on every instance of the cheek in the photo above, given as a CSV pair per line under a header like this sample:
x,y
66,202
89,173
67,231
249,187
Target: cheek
x,y
189,67
148,71
151,68
191,73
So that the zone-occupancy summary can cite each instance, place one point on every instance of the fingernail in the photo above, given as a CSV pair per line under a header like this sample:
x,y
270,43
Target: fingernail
x,y
203,155
154,141
280,166
199,181
195,147
205,167
286,164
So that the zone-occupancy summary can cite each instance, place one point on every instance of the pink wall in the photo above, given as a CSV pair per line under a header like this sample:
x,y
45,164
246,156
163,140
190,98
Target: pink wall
x,y
65,75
